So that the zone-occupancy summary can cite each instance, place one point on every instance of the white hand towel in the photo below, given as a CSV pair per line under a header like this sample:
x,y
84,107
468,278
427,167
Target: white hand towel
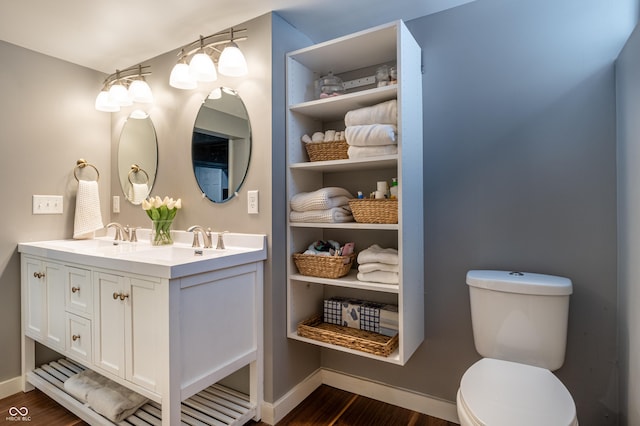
x,y
371,151
88,218
382,113
377,254
322,199
138,192
371,134
377,266
334,215
383,277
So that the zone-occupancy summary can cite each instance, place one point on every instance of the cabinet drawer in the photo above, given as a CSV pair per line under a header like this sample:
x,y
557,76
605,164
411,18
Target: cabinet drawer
x,y
78,337
79,292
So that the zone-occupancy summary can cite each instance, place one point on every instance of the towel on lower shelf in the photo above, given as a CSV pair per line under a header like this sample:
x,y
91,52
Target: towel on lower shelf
x,y
321,199
104,396
383,277
371,151
377,254
382,113
377,266
88,217
371,135
334,215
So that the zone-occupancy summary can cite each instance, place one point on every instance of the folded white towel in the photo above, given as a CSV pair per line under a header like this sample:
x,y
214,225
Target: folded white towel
x,y
377,266
88,217
382,113
138,192
333,215
371,151
371,134
379,277
322,199
106,397
377,254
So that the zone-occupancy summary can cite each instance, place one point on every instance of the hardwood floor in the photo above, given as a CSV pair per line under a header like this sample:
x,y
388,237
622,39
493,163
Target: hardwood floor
x,y
326,406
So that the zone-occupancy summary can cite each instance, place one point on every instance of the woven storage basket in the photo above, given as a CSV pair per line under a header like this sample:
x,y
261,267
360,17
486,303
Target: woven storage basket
x,y
352,338
370,210
324,151
323,266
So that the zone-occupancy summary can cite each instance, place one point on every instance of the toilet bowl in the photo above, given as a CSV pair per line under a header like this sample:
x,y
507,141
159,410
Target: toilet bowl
x,y
503,393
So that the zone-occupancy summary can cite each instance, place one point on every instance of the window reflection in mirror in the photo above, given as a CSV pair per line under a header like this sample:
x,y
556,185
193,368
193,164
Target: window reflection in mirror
x,y
137,157
221,145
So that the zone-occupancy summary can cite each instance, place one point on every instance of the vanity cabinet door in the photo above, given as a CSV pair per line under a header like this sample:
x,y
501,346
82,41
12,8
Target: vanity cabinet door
x,y
79,292
44,284
78,337
110,302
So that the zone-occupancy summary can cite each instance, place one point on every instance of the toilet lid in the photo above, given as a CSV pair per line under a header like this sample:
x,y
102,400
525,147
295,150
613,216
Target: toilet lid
x,y
506,393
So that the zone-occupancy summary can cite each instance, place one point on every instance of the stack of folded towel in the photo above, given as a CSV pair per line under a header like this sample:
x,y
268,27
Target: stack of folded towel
x,y
326,205
378,265
372,131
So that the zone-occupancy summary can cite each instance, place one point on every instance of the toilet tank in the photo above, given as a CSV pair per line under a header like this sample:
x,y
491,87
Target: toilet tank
x,y
520,317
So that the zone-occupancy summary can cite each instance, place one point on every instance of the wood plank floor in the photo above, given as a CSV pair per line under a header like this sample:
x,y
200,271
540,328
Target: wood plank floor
x,y
326,406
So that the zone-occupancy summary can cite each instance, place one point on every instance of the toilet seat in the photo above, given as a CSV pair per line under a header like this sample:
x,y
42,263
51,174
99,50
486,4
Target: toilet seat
x,y
496,393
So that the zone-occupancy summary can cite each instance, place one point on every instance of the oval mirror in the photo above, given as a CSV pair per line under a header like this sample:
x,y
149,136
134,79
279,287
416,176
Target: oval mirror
x,y
221,145
137,157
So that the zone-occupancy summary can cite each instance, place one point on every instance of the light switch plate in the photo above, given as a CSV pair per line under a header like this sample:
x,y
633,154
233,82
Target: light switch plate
x,y
252,202
47,204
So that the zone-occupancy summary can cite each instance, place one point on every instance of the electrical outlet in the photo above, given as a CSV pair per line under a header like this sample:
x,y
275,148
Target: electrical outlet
x,y
116,204
252,202
47,204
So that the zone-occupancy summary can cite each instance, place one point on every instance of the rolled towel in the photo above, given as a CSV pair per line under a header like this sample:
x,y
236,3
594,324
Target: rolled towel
x,y
329,135
322,199
383,277
371,151
371,134
88,217
377,266
306,139
382,113
317,137
334,215
377,254
106,397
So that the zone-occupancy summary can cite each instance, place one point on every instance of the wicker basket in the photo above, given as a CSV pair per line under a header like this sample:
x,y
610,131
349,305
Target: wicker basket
x,y
352,338
324,151
370,210
323,266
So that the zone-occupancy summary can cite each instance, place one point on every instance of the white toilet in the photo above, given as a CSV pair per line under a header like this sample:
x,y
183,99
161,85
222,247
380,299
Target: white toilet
x,y
520,328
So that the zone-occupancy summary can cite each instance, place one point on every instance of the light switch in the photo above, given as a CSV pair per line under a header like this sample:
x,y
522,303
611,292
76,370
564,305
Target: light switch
x,y
47,204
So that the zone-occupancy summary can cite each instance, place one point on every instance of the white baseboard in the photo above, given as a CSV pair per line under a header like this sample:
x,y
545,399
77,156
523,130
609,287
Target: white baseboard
x,y
10,387
421,403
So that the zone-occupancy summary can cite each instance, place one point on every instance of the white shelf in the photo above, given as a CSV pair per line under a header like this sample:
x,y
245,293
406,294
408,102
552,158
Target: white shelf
x,y
349,281
373,163
394,358
347,225
335,107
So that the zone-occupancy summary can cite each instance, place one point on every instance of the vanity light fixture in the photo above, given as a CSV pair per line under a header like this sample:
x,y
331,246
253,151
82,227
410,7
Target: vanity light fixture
x,y
202,53
123,88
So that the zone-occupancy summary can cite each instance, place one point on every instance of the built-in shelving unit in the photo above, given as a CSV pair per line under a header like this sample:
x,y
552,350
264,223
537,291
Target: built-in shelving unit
x,y
350,57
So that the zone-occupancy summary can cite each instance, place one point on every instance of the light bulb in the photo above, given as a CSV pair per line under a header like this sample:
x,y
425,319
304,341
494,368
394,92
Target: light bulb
x,y
181,78
139,91
232,62
104,104
119,95
139,114
201,68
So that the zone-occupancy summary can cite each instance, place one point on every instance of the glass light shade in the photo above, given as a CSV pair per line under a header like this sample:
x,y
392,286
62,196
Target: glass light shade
x,y
232,62
202,69
181,78
215,93
119,95
139,114
104,104
139,91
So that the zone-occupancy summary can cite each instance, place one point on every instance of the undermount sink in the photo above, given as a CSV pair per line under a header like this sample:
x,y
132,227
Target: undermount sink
x,y
170,261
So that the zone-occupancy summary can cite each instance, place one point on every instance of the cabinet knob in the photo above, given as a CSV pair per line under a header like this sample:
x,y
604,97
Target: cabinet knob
x,y
123,296
115,296
75,337
75,289
38,274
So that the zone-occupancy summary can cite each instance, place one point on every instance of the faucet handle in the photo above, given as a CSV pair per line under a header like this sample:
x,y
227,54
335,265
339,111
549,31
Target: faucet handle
x,y
133,237
220,244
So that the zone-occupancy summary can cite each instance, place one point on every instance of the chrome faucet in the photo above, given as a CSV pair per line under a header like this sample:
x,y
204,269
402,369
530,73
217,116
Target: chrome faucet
x,y
206,236
122,232
220,244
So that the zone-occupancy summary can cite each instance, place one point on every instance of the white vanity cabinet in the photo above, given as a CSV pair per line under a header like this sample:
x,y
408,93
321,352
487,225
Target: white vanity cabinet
x,y
169,323
355,58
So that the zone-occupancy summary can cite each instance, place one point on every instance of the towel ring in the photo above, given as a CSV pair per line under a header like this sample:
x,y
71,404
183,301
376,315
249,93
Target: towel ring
x,y
134,170
81,164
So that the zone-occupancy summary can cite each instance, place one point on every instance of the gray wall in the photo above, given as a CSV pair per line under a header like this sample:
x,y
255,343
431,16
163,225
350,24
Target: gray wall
x,y
47,123
628,102
520,174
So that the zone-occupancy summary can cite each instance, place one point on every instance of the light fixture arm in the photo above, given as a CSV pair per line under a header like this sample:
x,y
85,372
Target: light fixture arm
x,y
136,72
211,41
